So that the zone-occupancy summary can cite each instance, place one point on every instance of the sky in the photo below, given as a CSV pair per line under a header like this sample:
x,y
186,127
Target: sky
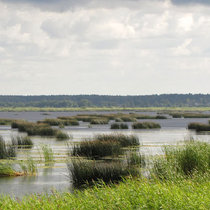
x,y
114,47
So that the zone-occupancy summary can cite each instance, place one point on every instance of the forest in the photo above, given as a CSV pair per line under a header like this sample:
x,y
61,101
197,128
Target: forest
x,y
57,101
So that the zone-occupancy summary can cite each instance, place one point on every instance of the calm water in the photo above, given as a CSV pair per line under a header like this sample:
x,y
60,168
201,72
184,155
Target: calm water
x,y
56,177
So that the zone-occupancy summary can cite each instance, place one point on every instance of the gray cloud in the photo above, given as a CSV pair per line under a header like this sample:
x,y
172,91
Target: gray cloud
x,y
188,2
104,47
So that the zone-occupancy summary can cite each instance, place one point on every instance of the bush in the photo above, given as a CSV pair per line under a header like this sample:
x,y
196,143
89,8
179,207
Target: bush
x,y
145,125
97,149
119,126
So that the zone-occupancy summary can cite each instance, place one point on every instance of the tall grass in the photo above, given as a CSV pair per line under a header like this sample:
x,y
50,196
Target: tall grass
x,y
62,136
99,121
119,126
96,149
29,167
145,125
135,158
124,140
199,126
34,128
6,151
47,153
6,169
88,172
22,141
191,158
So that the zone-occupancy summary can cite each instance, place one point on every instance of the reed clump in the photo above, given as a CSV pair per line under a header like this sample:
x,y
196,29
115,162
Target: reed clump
x,y
47,153
199,127
6,169
32,129
60,122
61,136
189,115
84,172
6,121
96,149
193,157
119,126
29,167
6,151
22,141
99,121
145,125
124,140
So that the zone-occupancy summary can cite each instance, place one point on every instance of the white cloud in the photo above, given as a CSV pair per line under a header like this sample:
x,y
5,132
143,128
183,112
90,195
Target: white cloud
x,y
105,47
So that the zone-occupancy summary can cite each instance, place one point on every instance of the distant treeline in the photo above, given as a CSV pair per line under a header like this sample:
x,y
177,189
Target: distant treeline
x,y
164,100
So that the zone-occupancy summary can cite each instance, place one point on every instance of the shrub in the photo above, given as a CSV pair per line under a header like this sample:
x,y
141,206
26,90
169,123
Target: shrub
x,y
145,125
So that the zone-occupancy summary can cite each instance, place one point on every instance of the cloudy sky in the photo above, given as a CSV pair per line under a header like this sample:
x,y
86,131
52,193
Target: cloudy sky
x,y
118,47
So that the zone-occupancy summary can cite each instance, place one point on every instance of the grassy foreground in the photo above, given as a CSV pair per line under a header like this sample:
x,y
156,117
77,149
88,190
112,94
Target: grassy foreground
x,y
130,194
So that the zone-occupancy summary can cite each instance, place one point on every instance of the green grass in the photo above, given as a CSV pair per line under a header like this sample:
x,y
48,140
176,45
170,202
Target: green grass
x,y
145,125
130,194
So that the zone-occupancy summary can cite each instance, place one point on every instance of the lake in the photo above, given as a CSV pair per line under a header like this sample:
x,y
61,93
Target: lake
x,y
56,177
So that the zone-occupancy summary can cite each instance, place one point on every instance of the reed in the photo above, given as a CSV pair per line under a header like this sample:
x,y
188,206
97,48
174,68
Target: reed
x,y
22,141
119,126
124,140
199,127
193,157
6,151
96,149
145,125
85,172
